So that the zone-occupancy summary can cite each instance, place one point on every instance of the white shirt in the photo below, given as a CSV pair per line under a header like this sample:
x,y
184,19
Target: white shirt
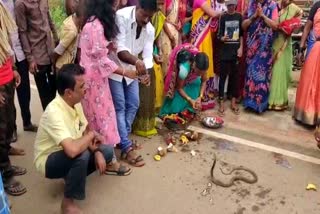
x,y
126,40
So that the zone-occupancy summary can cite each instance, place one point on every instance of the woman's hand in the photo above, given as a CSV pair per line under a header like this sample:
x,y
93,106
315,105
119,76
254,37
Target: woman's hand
x,y
259,11
199,103
192,103
195,104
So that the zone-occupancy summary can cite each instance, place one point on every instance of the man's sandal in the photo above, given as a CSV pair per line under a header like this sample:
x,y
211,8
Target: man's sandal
x,y
16,152
122,171
15,188
17,170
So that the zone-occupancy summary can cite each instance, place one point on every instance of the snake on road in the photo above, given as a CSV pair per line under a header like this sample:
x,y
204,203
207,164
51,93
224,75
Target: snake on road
x,y
253,180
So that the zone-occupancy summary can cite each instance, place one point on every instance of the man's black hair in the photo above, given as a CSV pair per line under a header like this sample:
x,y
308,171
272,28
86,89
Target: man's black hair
x,y
148,5
66,77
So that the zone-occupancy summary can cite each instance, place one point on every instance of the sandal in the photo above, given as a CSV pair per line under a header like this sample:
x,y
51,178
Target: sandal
x,y
221,113
122,171
17,170
16,152
14,188
137,162
235,110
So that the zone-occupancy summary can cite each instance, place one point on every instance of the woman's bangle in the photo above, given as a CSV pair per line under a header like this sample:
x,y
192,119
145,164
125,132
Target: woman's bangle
x,y
188,99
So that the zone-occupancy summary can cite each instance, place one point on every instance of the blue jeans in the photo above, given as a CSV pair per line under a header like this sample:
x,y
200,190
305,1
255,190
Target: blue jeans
x,y
126,102
76,170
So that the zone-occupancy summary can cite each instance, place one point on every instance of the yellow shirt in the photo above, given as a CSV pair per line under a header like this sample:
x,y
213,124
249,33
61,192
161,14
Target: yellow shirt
x,y
58,122
68,42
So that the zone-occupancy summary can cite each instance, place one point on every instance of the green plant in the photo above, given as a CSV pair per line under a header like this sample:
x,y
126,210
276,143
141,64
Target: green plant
x,y
57,12
58,16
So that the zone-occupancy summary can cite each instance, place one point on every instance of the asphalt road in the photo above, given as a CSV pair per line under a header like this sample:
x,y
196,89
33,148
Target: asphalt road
x,y
176,184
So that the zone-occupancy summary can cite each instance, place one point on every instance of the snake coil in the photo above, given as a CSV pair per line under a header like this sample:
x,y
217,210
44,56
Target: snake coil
x,y
235,178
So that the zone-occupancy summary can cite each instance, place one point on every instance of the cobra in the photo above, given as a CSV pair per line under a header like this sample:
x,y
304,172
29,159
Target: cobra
x,y
252,180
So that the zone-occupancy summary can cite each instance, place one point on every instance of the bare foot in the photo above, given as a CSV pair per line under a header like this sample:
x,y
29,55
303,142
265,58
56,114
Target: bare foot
x,y
69,207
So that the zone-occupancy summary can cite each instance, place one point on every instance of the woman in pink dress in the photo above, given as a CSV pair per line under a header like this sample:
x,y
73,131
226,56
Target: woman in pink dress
x,y
95,43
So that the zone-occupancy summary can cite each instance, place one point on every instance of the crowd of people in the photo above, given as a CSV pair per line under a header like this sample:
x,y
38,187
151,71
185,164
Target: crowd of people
x,y
116,65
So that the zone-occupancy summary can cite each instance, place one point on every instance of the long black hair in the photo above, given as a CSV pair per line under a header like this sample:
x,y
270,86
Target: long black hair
x,y
102,10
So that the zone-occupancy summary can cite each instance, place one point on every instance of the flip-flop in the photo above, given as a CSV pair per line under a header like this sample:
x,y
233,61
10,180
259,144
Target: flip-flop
x,y
17,170
16,152
15,188
122,171
137,162
236,111
221,113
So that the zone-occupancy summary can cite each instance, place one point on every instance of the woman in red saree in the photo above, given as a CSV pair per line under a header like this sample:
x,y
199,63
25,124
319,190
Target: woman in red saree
x,y
307,106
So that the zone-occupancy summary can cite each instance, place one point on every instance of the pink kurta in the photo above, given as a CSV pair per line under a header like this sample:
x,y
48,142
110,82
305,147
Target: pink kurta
x,y
97,103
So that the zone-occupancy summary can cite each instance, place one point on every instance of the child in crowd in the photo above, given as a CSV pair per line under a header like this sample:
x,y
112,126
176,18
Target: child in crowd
x,y
230,33
66,51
